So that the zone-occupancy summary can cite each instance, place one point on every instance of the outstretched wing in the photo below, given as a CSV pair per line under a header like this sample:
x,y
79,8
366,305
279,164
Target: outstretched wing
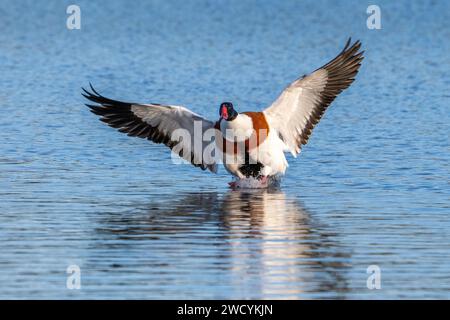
x,y
172,125
301,105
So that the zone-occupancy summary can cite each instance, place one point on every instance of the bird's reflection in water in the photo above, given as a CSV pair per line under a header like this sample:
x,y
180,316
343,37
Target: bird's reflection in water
x,y
263,243
279,237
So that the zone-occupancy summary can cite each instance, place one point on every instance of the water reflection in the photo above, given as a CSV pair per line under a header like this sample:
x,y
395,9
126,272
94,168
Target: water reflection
x,y
257,244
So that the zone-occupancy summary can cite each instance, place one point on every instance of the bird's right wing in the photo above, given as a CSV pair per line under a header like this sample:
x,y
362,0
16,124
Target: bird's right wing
x,y
177,127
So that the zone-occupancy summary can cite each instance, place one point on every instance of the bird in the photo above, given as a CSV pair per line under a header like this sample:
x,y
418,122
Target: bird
x,y
250,145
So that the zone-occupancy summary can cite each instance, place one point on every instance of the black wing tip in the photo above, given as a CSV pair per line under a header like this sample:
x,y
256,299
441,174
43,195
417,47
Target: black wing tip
x,y
96,97
91,95
349,55
349,47
347,44
93,90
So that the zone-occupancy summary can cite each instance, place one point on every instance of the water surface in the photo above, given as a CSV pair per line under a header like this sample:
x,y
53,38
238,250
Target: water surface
x,y
370,188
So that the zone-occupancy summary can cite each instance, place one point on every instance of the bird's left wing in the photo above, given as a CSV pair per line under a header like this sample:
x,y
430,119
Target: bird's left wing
x,y
301,105
175,126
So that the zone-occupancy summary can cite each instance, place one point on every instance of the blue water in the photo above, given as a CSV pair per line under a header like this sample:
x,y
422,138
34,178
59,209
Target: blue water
x,y
370,188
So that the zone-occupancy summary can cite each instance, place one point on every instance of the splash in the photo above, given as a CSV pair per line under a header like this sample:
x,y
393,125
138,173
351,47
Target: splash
x,y
254,183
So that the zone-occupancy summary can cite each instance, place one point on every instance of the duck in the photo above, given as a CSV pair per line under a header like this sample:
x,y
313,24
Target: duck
x,y
250,144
